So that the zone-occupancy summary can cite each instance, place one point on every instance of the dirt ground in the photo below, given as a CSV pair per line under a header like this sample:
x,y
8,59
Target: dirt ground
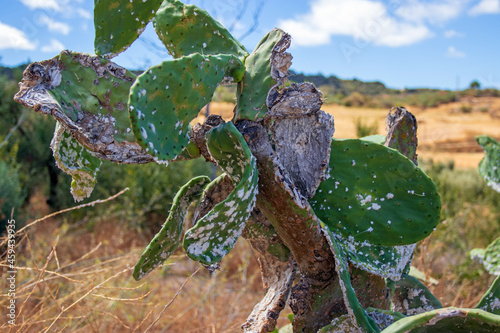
x,y
445,133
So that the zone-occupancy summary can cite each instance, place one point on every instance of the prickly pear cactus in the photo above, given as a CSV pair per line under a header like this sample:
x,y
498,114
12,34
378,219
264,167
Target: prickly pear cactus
x,y
187,29
447,320
165,98
489,257
167,240
118,23
490,301
374,194
489,167
354,308
411,297
75,161
215,234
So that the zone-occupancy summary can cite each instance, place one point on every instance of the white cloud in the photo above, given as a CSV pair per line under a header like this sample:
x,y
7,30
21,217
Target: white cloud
x,y
454,53
436,12
453,33
486,7
43,4
54,46
365,20
52,25
13,38
84,13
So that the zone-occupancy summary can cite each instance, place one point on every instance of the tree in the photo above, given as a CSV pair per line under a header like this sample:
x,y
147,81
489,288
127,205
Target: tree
x,y
339,216
475,85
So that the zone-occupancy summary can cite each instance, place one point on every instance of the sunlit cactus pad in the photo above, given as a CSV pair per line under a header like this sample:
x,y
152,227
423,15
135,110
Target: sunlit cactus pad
x,y
167,240
375,194
489,167
216,233
165,98
75,161
118,23
186,29
448,320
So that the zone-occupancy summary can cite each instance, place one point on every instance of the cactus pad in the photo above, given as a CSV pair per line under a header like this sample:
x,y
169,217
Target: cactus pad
x,y
447,320
118,23
168,238
216,233
354,308
165,98
489,167
376,138
490,301
489,257
258,80
385,261
187,29
411,297
375,194
75,161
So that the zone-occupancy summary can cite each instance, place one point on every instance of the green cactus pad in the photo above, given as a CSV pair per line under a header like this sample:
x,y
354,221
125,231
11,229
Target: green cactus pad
x,y
385,261
411,297
165,98
187,29
489,167
253,89
118,23
490,301
447,320
354,308
91,84
75,161
216,233
375,194
489,257
168,238
376,138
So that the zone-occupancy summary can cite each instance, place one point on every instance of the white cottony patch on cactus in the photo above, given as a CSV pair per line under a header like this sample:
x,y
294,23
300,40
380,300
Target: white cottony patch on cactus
x,y
365,200
144,133
389,196
76,161
152,127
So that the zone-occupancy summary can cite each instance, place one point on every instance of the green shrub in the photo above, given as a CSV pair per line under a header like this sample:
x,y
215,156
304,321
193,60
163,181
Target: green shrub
x,y
364,129
11,194
465,108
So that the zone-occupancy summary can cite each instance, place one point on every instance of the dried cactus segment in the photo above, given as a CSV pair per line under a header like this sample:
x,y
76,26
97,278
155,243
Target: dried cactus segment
x,y
411,297
118,23
447,320
87,95
490,301
216,233
75,161
168,238
266,67
166,97
354,309
402,132
375,194
489,167
489,257
187,29
385,261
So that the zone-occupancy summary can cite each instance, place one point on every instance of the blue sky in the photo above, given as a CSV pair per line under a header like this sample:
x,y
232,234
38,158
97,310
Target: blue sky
x,y
402,43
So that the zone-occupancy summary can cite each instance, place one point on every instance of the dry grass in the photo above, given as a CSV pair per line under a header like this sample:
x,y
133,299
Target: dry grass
x,y
70,279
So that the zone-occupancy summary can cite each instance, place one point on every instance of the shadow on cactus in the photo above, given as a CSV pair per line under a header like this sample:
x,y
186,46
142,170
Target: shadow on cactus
x,y
326,217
